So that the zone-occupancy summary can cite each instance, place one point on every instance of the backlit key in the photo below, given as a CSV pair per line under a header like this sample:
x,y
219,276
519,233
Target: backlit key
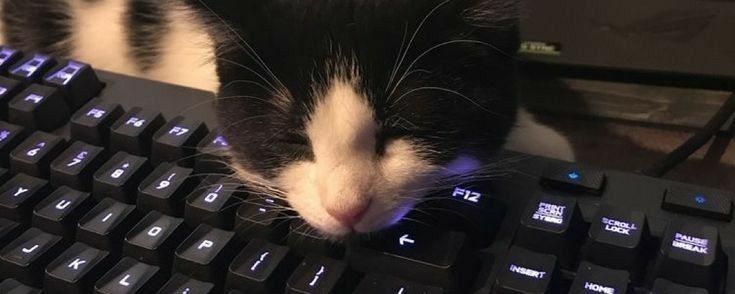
x,y
206,253
120,177
177,141
10,137
132,133
92,122
617,239
26,257
131,277
261,267
526,271
8,57
76,80
39,107
214,202
34,155
59,212
321,275
104,226
75,166
31,68
77,269
8,89
154,239
594,279
19,195
165,189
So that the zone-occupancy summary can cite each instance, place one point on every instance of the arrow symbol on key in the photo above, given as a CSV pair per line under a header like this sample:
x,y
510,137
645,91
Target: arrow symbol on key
x,y
405,239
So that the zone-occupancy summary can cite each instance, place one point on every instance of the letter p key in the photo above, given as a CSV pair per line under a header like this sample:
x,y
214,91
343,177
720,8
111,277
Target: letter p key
x,y
205,244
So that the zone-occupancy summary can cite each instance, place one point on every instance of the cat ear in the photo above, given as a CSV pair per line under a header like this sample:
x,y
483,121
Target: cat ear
x,y
493,13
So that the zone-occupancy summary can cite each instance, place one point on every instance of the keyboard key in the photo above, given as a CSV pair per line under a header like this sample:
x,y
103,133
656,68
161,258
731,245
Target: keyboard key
x,y
574,179
663,286
26,257
8,57
76,80
104,226
377,283
165,189
177,141
211,154
34,155
214,202
468,208
181,284
39,108
9,230
714,205
10,137
77,269
552,225
526,271
304,240
321,275
12,286
414,252
31,68
120,177
133,132
617,239
154,239
75,166
9,88
691,255
59,213
92,122
19,195
262,217
206,253
596,279
131,276
261,267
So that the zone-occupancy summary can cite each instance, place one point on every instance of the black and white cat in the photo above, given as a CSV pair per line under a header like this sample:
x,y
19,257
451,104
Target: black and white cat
x,y
349,109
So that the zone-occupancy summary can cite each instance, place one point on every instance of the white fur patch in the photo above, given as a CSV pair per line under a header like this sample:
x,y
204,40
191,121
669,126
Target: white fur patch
x,y
534,138
347,172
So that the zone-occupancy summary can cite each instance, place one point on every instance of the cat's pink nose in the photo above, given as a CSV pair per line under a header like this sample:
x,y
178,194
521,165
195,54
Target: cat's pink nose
x,y
349,216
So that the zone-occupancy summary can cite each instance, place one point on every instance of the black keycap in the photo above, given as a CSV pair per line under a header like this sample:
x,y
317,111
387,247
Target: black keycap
x,y
468,208
552,225
206,253
154,239
4,175
75,166
133,132
691,255
663,286
76,80
31,68
120,177
177,141
9,88
415,252
59,213
712,204
76,270
19,195
262,217
34,155
261,267
131,276
12,286
377,283
181,284
304,239
321,275
617,239
10,137
166,188
39,107
26,257
8,57
9,230
214,202
526,271
92,122
596,279
104,226
211,154
573,178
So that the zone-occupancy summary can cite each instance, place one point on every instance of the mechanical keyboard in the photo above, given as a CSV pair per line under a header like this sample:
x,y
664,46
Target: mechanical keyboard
x,y
113,184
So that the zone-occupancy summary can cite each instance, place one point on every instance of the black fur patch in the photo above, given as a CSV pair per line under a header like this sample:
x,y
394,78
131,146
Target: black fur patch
x,y
459,97
38,25
147,24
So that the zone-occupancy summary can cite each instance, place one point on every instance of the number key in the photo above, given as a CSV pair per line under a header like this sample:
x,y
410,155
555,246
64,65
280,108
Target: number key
x,y
34,155
75,166
120,176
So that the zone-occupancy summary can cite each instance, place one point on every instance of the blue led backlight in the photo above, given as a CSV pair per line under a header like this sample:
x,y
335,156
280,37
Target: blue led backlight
x,y
4,134
221,141
66,74
574,175
28,68
3,90
700,199
5,54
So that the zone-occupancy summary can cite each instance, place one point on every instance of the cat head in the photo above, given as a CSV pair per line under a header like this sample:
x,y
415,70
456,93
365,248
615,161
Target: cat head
x,y
352,110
